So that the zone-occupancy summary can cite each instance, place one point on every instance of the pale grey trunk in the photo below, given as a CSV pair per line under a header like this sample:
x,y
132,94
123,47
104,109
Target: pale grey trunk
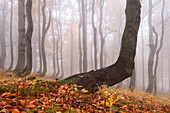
x,y
102,40
11,40
3,42
79,37
161,44
39,37
44,32
84,36
94,36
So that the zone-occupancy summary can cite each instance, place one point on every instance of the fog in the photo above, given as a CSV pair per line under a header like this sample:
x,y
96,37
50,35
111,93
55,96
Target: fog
x,y
64,42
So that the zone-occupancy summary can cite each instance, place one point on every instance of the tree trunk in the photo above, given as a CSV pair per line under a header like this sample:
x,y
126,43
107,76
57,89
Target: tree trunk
x,y
54,47
94,36
80,41
27,70
21,39
39,37
71,49
161,44
152,50
124,66
143,58
11,42
132,80
84,36
101,33
3,42
44,32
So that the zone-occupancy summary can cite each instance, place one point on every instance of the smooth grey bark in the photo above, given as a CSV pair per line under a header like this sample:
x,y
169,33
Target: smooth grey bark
x,y
143,57
2,41
102,40
161,44
80,38
57,44
152,49
71,49
132,80
54,47
39,37
44,32
21,38
94,36
84,24
124,66
11,40
27,70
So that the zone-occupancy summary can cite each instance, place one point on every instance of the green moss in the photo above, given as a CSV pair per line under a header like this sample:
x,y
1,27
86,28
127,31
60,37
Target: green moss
x,y
69,81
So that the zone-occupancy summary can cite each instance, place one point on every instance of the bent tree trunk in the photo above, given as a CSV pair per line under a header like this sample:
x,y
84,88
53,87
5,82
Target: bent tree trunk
x,y
124,66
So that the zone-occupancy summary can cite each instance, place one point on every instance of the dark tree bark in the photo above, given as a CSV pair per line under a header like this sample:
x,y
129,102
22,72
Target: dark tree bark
x,y
79,35
161,44
11,44
124,66
44,32
102,40
94,36
2,41
84,36
27,70
39,37
21,39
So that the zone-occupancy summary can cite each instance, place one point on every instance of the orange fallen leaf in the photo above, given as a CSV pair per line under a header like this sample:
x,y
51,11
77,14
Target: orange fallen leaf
x,y
30,106
15,111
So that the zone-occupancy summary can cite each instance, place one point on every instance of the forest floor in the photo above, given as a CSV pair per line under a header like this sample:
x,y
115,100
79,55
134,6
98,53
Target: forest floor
x,y
38,95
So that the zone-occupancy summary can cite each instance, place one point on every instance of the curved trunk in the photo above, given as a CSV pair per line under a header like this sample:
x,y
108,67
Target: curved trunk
x,y
28,68
124,66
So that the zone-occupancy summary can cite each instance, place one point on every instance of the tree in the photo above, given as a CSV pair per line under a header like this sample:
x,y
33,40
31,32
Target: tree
x,y
84,36
21,38
44,32
80,37
94,36
102,40
28,68
2,41
39,37
161,44
124,66
11,44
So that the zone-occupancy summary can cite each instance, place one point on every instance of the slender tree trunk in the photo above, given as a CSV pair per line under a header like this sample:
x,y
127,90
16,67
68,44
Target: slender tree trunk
x,y
152,50
161,44
54,51
85,64
94,36
11,42
80,40
124,66
39,37
28,36
44,31
21,39
101,33
132,80
3,42
71,49
61,41
143,58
